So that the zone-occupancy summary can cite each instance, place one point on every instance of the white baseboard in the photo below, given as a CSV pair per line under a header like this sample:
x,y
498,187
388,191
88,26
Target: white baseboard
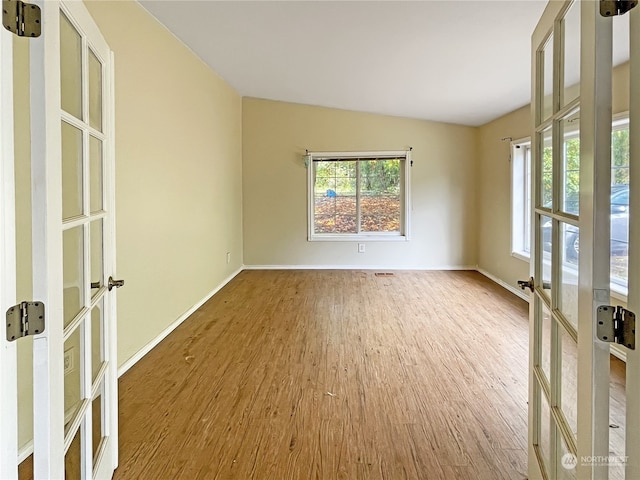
x,y
617,352
149,346
24,451
359,267
516,291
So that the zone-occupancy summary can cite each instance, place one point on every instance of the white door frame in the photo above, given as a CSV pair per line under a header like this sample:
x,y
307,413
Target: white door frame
x,y
632,386
8,360
46,181
595,228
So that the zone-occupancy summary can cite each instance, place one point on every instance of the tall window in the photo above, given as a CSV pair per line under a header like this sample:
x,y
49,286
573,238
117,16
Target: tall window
x,y
521,196
358,195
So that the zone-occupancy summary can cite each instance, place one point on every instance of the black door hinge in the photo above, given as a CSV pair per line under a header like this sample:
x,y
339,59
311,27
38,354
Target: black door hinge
x,y
23,19
617,325
611,8
26,318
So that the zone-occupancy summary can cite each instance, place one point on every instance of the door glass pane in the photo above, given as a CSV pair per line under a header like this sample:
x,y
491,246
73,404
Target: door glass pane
x,y
569,381
547,84
95,92
620,203
545,347
569,254
570,131
70,68
568,462
73,458
71,171
620,248
95,174
72,369
95,234
572,54
546,170
73,284
617,419
546,236
544,441
97,355
96,422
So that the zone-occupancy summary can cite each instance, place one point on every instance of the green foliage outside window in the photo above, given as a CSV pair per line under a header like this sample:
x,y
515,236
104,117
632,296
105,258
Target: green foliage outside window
x,y
619,166
356,196
620,157
377,177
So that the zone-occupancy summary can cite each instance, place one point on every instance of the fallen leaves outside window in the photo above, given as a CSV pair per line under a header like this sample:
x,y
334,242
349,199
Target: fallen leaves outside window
x,y
339,214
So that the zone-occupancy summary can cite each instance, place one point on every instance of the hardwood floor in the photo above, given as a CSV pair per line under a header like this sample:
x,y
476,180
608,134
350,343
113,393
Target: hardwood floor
x,y
335,375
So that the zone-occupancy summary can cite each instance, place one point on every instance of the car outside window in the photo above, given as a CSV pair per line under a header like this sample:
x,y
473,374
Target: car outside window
x,y
521,184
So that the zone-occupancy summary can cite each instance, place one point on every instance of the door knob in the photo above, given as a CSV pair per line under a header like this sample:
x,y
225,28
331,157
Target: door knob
x,y
526,284
115,283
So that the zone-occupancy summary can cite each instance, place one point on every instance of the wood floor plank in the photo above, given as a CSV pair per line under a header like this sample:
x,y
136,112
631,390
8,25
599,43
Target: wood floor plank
x,y
334,374
338,375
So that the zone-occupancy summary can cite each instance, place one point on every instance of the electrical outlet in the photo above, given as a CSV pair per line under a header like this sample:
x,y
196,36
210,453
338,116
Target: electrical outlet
x,y
361,248
228,257
68,361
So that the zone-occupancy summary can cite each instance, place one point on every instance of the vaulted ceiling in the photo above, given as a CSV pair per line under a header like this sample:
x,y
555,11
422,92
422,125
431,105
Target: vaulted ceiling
x,y
464,62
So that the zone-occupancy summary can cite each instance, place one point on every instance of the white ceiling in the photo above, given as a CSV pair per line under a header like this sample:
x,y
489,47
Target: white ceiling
x,y
464,62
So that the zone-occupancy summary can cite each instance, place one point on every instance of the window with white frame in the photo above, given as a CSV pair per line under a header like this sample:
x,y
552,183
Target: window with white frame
x,y
358,195
521,195
521,198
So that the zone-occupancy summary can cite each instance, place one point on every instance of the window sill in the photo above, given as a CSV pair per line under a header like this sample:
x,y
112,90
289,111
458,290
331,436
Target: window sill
x,y
619,292
521,256
358,238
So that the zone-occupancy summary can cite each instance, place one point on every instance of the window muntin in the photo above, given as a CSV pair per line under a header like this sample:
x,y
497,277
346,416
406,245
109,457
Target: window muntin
x,y
358,195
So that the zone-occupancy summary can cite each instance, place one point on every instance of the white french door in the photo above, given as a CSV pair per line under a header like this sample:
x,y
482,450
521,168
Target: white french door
x,y
73,250
569,396
8,359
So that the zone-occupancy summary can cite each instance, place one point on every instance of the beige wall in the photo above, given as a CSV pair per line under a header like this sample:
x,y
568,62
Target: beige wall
x,y
443,186
494,194
178,174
